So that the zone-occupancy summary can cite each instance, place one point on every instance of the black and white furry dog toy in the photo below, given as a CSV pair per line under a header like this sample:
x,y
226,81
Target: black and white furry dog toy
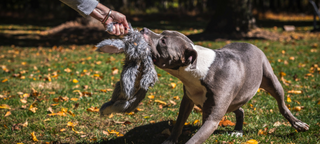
x,y
138,72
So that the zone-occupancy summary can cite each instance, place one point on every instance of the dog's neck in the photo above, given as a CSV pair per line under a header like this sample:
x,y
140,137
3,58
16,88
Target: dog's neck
x,y
205,59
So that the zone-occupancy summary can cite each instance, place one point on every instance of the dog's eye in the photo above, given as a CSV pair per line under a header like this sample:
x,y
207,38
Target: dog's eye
x,y
163,41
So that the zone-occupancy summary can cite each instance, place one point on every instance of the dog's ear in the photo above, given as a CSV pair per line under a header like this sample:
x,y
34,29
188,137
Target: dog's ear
x,y
191,58
111,46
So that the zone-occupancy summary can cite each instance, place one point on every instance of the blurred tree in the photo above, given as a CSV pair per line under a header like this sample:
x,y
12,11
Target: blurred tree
x,y
231,16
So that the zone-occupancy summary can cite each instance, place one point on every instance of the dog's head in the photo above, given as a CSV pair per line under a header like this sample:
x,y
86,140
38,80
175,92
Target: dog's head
x,y
170,49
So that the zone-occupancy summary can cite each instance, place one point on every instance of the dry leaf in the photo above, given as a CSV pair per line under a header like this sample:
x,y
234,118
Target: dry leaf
x,y
71,113
295,91
272,130
105,132
23,106
70,124
60,113
50,110
176,97
78,131
64,98
225,122
54,105
161,102
25,124
74,99
252,141
111,115
195,122
297,108
62,130
75,81
276,124
172,102
114,71
4,106
34,138
23,101
93,109
173,85
197,109
289,99
7,114
56,99
5,80
261,132
33,108
151,96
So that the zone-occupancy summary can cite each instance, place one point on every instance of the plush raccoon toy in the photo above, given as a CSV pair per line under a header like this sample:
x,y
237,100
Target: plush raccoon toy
x,y
138,72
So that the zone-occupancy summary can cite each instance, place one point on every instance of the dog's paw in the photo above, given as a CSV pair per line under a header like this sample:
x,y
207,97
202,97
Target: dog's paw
x,y
236,134
300,126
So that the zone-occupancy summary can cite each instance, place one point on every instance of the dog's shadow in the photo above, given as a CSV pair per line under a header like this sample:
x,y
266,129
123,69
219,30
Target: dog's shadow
x,y
152,134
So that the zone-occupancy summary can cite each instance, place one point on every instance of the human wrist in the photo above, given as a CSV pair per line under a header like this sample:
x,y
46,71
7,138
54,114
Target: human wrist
x,y
100,12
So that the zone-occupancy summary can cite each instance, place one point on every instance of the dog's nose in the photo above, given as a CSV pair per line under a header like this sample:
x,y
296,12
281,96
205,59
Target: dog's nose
x,y
144,31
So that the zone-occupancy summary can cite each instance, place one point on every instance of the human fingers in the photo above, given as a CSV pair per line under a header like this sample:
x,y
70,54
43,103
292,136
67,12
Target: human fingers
x,y
121,28
117,29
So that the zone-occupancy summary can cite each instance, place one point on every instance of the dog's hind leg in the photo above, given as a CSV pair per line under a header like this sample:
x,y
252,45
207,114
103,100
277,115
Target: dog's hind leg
x,y
239,124
272,85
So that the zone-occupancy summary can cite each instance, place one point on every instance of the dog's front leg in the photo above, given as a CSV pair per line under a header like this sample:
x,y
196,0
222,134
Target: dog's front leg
x,y
212,113
184,112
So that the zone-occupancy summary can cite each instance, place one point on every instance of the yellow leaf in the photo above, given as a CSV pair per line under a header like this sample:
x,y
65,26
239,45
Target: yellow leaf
x,y
291,58
146,117
34,138
187,123
74,99
159,75
93,109
261,132
258,90
152,121
65,110
23,101
195,121
70,124
77,131
71,113
111,115
75,81
289,99
130,113
33,108
56,99
98,62
297,108
115,71
252,141
67,70
23,63
7,114
54,105
60,113
64,98
295,91
176,97
62,130
151,96
25,124
96,75
139,109
318,102
173,85
161,102
283,74
4,80
26,95
19,143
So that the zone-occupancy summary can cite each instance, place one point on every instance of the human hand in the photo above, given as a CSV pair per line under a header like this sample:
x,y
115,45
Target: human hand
x,y
121,26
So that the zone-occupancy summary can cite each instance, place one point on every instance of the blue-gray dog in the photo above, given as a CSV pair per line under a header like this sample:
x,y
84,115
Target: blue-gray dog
x,y
138,72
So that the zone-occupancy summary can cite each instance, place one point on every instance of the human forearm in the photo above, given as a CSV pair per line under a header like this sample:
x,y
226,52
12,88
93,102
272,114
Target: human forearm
x,y
84,7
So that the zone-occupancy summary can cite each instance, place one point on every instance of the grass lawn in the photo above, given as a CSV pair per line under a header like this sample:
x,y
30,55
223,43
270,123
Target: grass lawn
x,y
55,92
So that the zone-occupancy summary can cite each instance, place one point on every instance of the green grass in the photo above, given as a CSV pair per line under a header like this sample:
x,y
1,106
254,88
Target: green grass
x,y
143,126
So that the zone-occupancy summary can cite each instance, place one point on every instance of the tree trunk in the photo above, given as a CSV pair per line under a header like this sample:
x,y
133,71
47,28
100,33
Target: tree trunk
x,y
231,16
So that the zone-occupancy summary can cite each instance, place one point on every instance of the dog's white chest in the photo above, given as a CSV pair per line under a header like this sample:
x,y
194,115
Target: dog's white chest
x,y
191,77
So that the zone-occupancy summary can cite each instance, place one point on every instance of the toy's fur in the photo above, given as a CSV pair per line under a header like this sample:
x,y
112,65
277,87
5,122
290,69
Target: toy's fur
x,y
138,72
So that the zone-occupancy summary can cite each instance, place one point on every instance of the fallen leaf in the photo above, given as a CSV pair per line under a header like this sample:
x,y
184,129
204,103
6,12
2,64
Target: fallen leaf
x,y
67,70
5,80
70,124
93,109
161,102
195,122
25,124
272,130
318,102
289,99
7,114
78,131
114,71
33,108
295,91
23,101
56,99
176,97
65,110
64,98
50,110
75,81
71,113
173,85
252,141
105,132
276,124
297,108
197,109
111,115
151,96
4,106
139,109
74,99
152,121
62,130
23,106
34,138
60,113
54,104
224,122
172,102
261,132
